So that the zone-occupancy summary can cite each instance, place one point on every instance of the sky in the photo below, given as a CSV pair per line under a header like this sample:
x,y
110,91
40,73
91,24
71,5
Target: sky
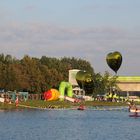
x,y
86,29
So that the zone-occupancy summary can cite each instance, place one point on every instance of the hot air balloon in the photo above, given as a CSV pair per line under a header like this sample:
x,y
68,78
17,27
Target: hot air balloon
x,y
51,95
85,81
114,60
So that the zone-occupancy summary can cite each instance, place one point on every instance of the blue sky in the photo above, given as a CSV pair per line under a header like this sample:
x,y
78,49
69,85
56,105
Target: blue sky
x,y
87,29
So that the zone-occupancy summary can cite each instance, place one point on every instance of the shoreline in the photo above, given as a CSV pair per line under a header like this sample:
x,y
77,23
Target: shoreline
x,y
59,105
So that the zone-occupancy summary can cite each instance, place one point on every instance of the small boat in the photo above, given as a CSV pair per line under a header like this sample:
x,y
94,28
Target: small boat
x,y
134,115
134,110
81,107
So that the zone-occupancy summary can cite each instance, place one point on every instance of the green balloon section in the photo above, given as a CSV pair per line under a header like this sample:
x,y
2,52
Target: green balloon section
x,y
114,60
85,81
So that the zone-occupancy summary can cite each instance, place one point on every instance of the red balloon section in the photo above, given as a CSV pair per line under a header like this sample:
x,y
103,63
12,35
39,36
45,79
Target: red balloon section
x,y
51,95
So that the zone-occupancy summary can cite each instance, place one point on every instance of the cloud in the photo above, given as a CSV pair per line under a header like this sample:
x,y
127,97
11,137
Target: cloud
x,y
30,7
39,34
92,44
96,6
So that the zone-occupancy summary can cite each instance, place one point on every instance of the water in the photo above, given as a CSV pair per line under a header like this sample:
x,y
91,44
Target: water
x,y
68,125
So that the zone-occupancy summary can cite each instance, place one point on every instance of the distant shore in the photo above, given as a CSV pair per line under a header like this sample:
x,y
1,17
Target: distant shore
x,y
40,104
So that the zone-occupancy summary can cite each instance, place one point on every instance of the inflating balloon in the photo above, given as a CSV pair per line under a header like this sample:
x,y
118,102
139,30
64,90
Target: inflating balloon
x,y
65,87
114,60
51,95
85,81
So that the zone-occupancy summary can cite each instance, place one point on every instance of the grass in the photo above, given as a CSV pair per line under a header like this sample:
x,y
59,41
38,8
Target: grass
x,y
58,104
5,106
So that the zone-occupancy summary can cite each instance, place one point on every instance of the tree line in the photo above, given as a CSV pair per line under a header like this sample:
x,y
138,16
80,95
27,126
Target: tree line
x,y
37,75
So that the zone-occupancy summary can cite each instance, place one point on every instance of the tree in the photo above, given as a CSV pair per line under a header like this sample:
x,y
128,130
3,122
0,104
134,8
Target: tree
x,y
104,84
32,74
37,75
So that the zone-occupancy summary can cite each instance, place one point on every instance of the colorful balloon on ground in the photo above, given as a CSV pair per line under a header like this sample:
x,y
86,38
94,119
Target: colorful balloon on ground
x,y
66,87
114,60
51,95
85,81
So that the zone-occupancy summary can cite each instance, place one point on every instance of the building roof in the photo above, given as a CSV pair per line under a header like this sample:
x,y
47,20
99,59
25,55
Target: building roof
x,y
128,79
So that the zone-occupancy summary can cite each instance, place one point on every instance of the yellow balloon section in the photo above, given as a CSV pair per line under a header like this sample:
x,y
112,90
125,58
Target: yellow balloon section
x,y
51,95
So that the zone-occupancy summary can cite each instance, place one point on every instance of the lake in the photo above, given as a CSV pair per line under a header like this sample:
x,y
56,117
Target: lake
x,y
68,125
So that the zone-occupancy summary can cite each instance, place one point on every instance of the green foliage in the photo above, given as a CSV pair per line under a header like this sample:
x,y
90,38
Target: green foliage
x,y
37,75
104,84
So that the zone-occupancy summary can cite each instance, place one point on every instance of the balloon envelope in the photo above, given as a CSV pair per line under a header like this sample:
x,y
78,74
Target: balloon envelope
x,y
51,94
114,60
85,81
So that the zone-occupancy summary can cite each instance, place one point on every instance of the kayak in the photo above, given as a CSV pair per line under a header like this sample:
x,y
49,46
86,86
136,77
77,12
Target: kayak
x,y
80,108
134,115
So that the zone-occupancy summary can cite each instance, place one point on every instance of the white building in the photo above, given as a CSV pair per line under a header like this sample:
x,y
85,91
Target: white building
x,y
72,79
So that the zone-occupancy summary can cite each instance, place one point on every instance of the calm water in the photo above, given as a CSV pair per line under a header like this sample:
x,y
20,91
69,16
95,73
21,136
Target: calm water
x,y
68,125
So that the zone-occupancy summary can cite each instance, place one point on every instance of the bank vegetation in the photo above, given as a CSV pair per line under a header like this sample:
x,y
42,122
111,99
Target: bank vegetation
x,y
37,75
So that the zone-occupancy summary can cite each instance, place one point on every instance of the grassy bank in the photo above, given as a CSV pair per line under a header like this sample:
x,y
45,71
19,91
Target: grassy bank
x,y
57,104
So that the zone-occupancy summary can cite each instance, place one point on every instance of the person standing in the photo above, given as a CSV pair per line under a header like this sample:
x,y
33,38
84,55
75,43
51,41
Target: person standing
x,y
17,101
